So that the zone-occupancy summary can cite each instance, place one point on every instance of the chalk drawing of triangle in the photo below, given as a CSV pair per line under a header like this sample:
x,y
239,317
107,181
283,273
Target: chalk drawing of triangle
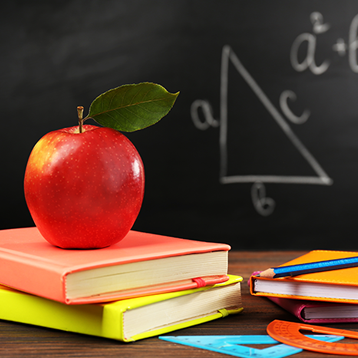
x,y
321,178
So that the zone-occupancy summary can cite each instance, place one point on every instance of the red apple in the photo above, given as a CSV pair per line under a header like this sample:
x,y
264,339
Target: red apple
x,y
84,190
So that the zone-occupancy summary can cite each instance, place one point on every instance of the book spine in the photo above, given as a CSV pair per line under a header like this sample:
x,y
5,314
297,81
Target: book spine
x,y
36,277
112,322
29,309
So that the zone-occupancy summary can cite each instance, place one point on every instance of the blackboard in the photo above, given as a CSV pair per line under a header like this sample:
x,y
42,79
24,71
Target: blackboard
x,y
261,148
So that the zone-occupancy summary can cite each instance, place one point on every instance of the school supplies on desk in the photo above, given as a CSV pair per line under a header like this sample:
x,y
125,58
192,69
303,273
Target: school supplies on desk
x,y
332,286
140,264
311,267
315,311
126,320
289,333
318,312
241,346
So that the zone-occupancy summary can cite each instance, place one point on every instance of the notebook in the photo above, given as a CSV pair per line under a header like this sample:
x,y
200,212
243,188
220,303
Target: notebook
x,y
318,312
126,320
332,286
140,264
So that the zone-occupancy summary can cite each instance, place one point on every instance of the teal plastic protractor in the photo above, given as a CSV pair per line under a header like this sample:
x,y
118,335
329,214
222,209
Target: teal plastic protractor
x,y
232,345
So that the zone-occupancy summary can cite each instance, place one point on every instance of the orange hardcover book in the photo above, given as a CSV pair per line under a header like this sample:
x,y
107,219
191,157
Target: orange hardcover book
x,y
141,264
339,285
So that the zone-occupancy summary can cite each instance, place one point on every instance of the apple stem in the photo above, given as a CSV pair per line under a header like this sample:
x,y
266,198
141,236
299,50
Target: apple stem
x,y
80,118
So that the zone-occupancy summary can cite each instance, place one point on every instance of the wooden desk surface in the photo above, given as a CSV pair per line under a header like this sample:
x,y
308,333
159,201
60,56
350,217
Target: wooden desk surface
x,y
19,340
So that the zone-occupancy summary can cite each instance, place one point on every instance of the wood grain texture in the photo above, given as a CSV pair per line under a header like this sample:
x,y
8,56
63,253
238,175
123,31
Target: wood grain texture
x,y
19,340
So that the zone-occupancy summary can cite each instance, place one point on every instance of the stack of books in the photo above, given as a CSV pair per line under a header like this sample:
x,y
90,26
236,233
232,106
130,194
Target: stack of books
x,y
145,285
328,296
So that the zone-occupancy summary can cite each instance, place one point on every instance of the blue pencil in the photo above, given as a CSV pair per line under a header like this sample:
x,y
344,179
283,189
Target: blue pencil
x,y
319,266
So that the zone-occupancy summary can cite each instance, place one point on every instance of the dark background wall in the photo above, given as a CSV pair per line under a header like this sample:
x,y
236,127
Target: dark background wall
x,y
261,147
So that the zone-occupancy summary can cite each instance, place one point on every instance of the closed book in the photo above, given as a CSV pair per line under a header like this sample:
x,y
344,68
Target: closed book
x,y
140,264
339,285
318,312
130,319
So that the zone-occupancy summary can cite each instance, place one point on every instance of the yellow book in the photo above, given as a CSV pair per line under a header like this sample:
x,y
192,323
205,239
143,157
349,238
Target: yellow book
x,y
126,320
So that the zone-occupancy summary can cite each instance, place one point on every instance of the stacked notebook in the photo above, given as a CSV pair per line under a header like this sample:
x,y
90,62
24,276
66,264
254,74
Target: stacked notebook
x,y
320,297
143,286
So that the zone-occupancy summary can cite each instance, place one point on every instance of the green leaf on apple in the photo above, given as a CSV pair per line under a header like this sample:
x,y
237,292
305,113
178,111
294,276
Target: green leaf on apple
x,y
129,108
